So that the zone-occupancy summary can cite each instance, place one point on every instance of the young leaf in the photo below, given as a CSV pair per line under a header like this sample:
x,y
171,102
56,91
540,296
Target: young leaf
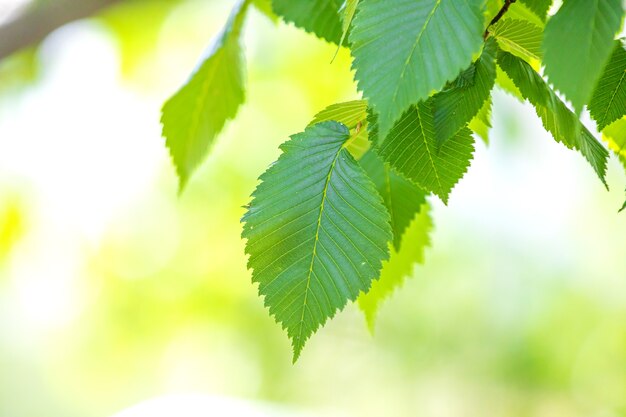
x,y
608,103
411,149
539,7
319,17
520,11
317,231
577,42
353,114
400,265
481,123
456,107
519,37
556,117
405,49
196,114
402,198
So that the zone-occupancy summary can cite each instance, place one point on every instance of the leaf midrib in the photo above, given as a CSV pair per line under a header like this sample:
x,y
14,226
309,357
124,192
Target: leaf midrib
x,y
317,232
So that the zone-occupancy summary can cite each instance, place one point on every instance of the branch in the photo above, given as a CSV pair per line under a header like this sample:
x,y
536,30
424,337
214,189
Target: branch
x,y
37,22
503,10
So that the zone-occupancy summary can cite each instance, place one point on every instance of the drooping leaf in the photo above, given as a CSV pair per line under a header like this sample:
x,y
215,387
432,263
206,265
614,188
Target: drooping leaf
x,y
194,116
456,107
411,149
353,114
402,198
556,117
520,11
319,17
519,37
405,49
400,265
539,7
577,44
481,123
316,229
608,102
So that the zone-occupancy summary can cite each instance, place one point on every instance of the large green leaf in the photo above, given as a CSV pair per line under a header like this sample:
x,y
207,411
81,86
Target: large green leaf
x,y
456,107
556,117
317,231
405,49
577,42
353,114
519,37
400,265
411,149
539,7
608,103
402,198
196,114
319,17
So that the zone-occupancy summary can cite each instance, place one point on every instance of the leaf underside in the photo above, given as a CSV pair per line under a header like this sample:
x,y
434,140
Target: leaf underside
x,y
519,37
316,229
400,64
556,117
353,114
577,43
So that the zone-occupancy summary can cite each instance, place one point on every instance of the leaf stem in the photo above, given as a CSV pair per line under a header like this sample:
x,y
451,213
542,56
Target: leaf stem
x,y
497,17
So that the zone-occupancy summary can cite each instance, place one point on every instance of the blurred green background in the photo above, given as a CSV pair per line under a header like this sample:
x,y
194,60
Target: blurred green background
x,y
114,291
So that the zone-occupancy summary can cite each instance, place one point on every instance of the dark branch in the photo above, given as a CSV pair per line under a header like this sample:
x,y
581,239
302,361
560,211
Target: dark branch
x,y
39,21
497,17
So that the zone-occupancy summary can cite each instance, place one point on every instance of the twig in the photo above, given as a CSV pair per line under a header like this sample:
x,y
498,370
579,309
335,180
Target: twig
x,y
503,10
39,21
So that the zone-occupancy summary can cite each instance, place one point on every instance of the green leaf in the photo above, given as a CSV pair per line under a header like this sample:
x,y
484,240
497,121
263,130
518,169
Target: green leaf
x,y
481,123
319,17
405,49
608,103
402,198
194,116
456,107
520,11
400,265
348,15
411,149
623,207
353,114
265,7
615,136
316,229
556,117
519,37
578,41
539,7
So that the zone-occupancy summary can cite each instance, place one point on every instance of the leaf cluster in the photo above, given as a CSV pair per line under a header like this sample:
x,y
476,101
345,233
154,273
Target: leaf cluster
x,y
344,213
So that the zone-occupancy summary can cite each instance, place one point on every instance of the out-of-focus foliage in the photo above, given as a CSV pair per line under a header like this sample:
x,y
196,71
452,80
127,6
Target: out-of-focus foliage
x,y
113,290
